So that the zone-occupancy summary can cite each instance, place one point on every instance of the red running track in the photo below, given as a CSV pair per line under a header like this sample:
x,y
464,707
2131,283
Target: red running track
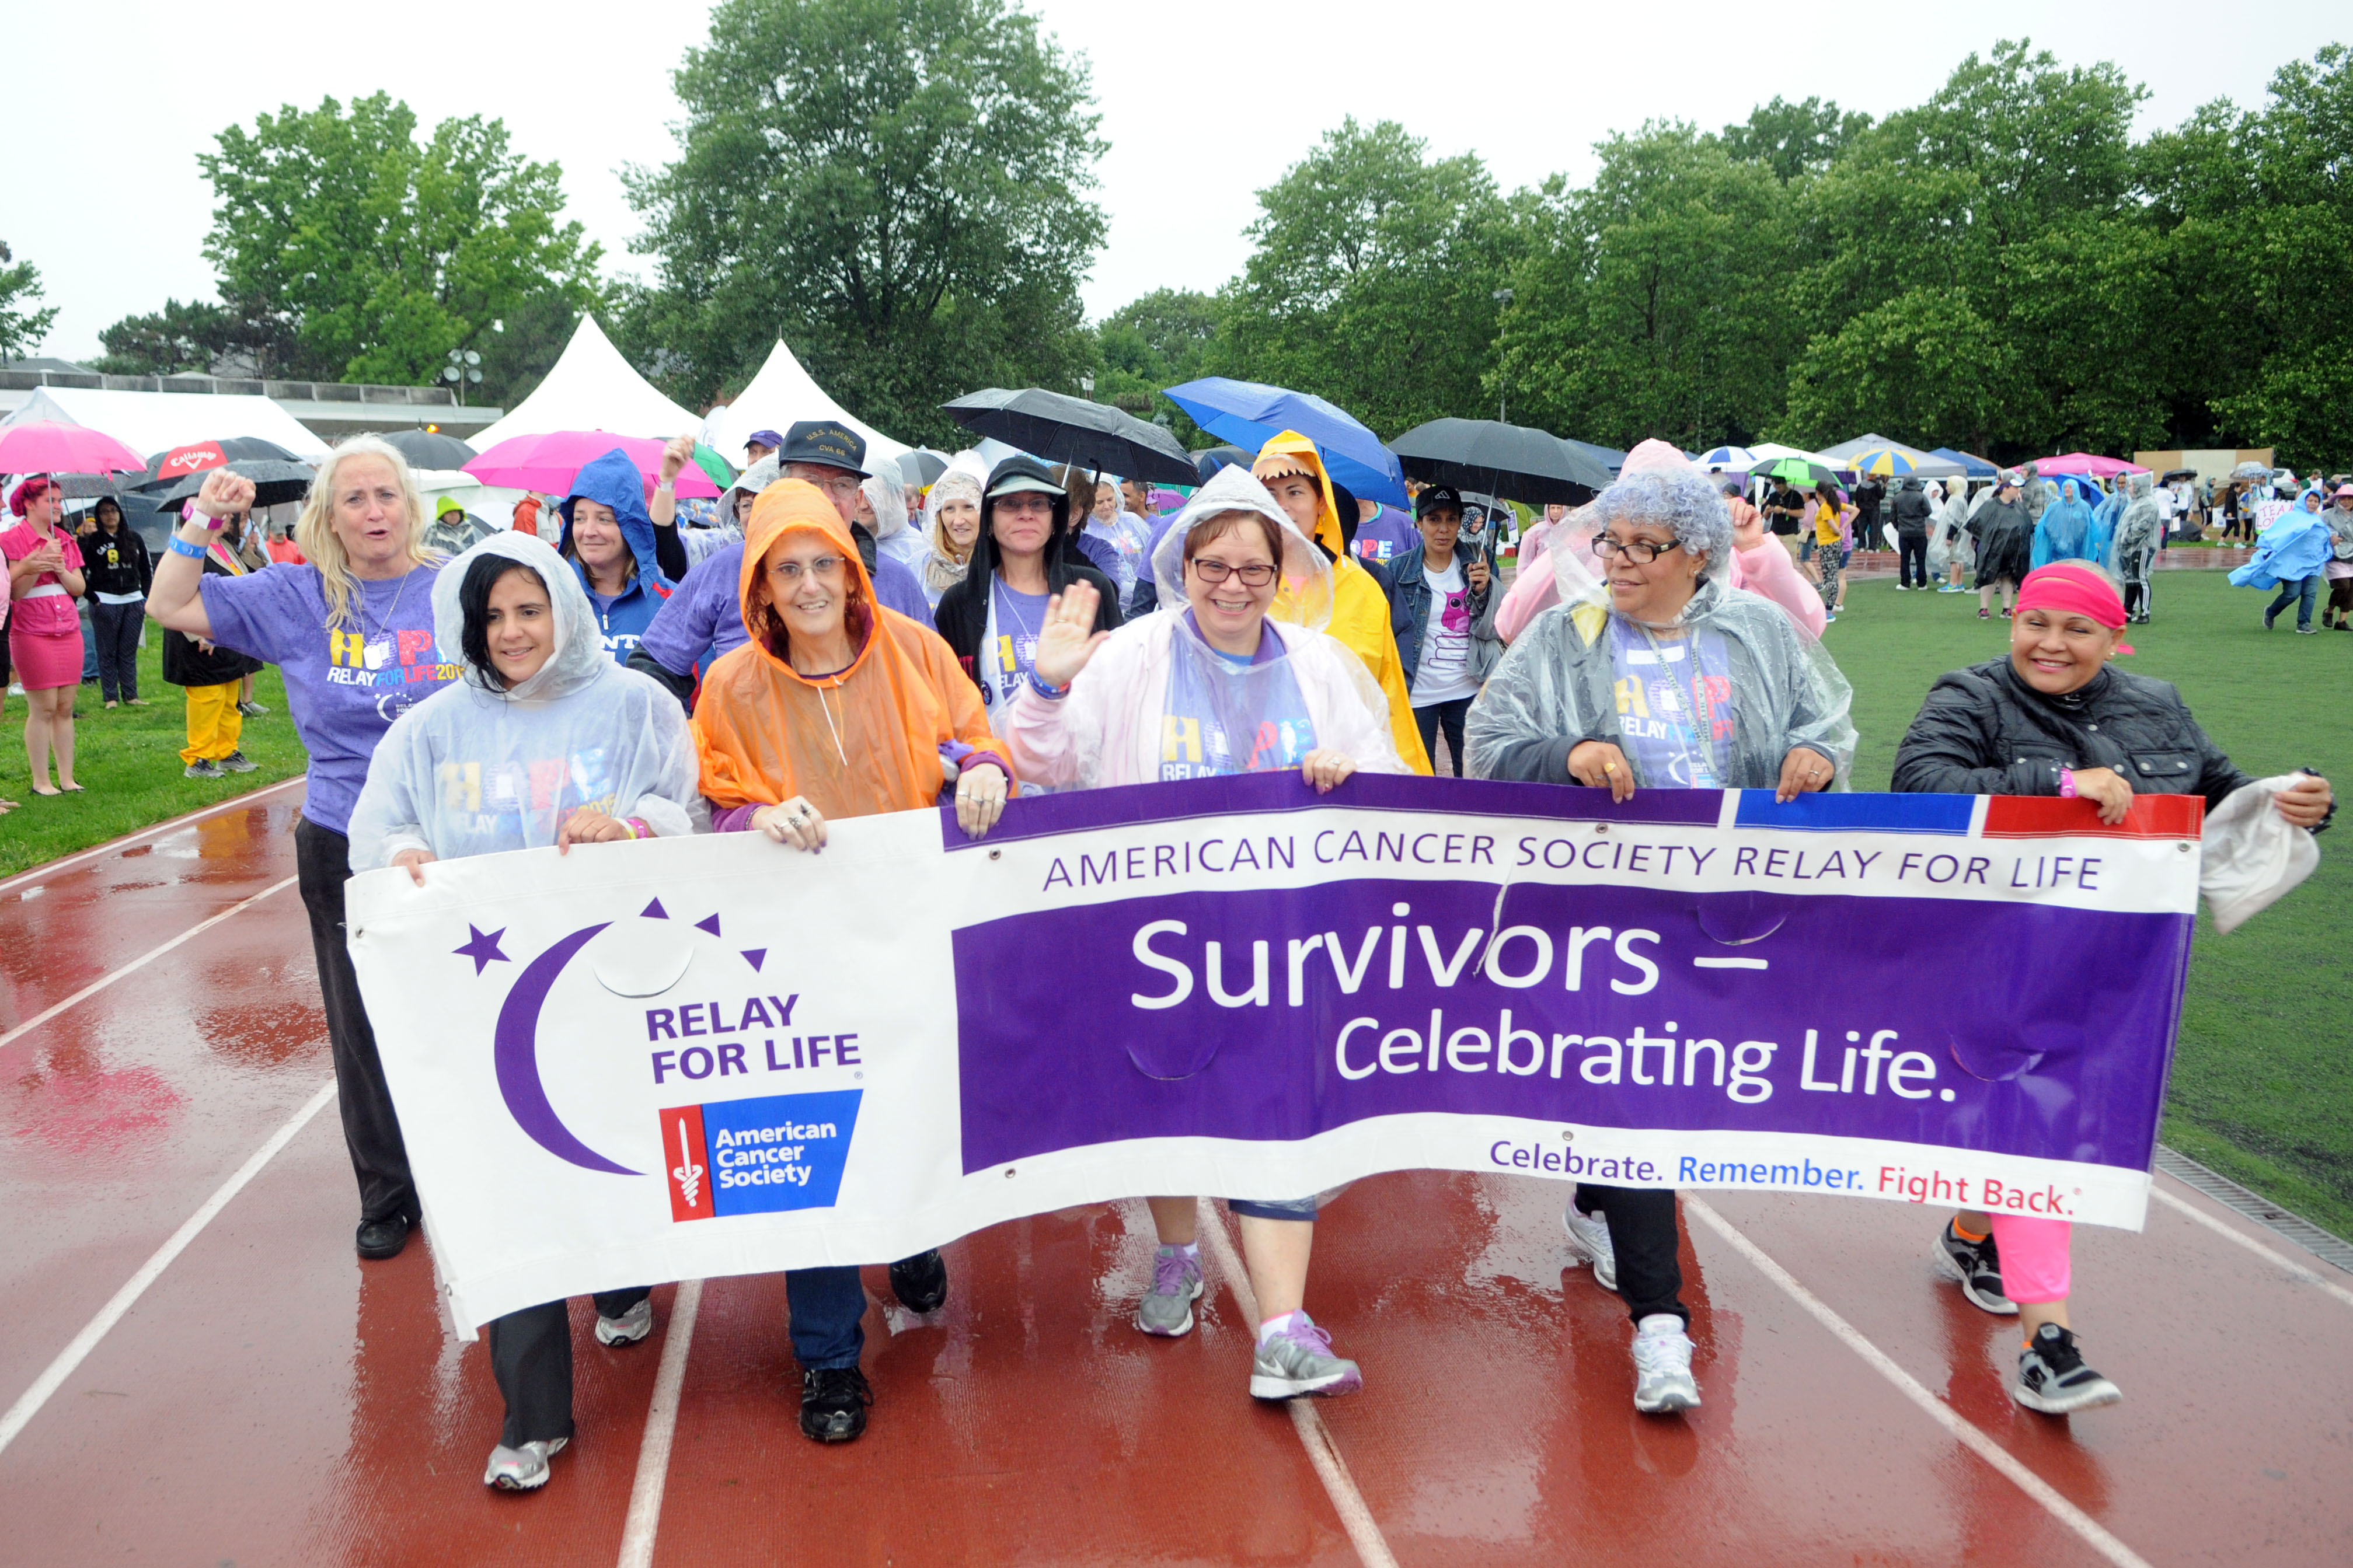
x,y
270,1399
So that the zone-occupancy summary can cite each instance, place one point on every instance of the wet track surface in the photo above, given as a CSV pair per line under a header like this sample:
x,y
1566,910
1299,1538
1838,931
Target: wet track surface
x,y
270,1399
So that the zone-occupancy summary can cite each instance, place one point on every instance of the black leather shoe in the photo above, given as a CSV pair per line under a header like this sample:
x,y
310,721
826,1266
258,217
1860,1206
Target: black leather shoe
x,y
920,1282
833,1404
381,1238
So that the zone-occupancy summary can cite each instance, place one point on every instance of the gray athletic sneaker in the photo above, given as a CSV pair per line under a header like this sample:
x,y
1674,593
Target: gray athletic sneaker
x,y
1167,1311
1662,1374
1588,1237
1976,1267
203,768
1300,1361
238,763
629,1327
2052,1378
522,1469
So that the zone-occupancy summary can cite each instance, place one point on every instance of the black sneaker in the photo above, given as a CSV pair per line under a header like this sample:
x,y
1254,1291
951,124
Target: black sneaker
x,y
203,768
920,1282
833,1404
1976,1265
381,1238
238,763
2052,1378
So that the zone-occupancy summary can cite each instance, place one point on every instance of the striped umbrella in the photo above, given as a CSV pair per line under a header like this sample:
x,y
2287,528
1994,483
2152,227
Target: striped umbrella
x,y
1738,458
1885,462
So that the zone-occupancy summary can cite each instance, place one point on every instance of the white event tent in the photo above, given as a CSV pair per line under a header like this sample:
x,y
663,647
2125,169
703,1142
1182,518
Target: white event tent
x,y
153,422
592,387
781,394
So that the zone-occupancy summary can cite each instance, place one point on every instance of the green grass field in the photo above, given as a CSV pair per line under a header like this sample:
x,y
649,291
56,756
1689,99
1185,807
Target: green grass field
x,y
2262,1078
2263,1082
128,761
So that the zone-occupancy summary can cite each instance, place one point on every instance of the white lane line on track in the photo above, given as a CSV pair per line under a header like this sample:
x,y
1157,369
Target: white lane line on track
x,y
54,1375
144,959
49,869
661,1428
2282,1260
2086,1529
1323,1452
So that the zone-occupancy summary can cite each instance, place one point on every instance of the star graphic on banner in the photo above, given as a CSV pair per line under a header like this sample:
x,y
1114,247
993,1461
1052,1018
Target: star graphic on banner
x,y
483,948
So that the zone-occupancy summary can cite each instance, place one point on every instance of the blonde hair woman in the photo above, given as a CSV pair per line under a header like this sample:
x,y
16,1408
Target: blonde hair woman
x,y
351,631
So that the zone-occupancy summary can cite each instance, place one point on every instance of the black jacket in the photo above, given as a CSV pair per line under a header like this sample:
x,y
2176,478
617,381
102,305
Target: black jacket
x,y
961,616
1912,508
1407,583
115,562
185,664
1983,731
1868,493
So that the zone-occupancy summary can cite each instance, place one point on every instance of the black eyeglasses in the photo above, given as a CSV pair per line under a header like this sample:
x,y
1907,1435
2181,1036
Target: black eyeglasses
x,y
1257,574
1640,552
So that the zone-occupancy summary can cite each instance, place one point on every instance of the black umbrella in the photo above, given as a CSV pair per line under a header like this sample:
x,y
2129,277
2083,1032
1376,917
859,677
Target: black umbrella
x,y
923,468
170,468
1064,429
1207,463
2173,474
430,448
1510,461
273,482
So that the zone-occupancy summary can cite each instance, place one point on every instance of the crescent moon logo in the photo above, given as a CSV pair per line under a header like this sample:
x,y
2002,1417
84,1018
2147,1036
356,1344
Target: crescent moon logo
x,y
517,1057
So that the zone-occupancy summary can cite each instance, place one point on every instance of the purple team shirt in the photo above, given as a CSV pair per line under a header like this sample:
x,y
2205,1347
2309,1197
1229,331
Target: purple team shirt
x,y
345,686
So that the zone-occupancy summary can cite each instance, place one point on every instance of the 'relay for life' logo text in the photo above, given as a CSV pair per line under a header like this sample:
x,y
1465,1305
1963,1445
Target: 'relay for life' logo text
x,y
757,1156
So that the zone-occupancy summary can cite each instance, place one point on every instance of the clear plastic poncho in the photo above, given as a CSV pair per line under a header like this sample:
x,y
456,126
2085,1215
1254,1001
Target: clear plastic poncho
x,y
1768,687
965,479
1157,704
474,770
2139,529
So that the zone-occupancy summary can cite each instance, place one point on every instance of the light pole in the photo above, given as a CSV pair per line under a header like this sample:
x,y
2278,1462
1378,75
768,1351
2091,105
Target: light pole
x,y
1502,297
463,367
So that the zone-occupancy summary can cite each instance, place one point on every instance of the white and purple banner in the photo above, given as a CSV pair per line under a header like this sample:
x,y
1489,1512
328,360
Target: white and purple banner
x,y
680,1059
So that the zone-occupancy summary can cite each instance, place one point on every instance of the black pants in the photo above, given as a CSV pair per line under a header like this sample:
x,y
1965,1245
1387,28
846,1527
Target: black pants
x,y
1642,1233
322,860
1911,559
2136,599
1448,716
116,628
531,1355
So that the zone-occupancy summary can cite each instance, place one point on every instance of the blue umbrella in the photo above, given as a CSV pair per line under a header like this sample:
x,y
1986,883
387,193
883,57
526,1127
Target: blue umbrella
x,y
1249,415
1979,468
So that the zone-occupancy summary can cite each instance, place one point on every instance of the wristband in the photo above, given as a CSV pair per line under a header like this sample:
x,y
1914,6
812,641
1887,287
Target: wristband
x,y
1050,694
2066,783
180,546
636,826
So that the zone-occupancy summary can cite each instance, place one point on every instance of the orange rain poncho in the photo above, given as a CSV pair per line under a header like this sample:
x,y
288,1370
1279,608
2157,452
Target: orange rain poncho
x,y
1360,611
867,740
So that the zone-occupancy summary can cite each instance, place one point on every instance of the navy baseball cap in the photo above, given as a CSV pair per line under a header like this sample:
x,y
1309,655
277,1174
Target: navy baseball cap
x,y
768,438
823,442
1435,495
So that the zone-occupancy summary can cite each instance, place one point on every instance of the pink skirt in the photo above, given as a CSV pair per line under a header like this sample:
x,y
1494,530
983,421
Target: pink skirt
x,y
43,662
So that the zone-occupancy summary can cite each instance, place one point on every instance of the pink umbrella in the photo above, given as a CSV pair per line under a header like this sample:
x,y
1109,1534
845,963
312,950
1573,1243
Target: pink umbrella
x,y
2085,463
549,463
52,447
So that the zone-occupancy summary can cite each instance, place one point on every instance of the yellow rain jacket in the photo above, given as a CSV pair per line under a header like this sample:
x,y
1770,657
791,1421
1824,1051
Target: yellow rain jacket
x,y
1360,611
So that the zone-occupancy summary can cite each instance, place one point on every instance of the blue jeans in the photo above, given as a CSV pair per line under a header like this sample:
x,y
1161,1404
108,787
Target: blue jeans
x,y
2303,591
826,1305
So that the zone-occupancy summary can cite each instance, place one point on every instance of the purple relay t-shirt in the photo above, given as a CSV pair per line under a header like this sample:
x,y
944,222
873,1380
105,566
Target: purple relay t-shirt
x,y
345,686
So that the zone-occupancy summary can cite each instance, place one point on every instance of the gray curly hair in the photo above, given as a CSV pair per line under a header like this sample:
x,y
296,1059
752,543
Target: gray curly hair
x,y
1684,502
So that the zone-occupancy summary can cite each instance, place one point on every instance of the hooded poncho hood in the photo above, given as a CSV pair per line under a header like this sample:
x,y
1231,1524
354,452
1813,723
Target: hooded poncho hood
x,y
1291,453
1305,596
886,492
578,659
613,480
966,480
871,738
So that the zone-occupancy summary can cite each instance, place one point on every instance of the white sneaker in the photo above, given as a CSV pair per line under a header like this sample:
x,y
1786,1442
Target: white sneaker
x,y
629,1327
1588,1238
1662,1374
522,1469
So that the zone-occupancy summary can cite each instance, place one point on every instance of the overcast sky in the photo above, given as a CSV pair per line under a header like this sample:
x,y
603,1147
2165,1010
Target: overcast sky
x,y
1203,103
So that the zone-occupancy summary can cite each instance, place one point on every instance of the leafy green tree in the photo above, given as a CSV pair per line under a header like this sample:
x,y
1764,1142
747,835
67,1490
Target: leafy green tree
x,y
1924,362
372,254
177,339
1651,304
1152,343
22,325
1374,279
896,187
1794,139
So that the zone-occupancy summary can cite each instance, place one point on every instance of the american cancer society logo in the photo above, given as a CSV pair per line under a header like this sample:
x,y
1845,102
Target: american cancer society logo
x,y
757,1156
